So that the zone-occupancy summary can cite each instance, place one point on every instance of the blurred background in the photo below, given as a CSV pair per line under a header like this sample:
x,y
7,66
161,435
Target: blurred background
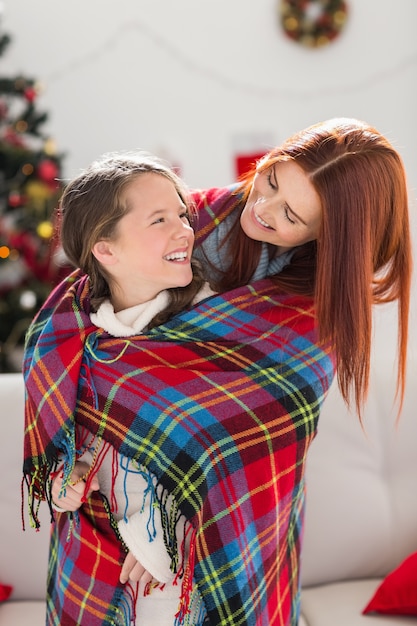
x,y
209,85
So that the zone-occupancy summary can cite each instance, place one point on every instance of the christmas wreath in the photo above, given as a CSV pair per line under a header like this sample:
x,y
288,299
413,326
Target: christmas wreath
x,y
313,23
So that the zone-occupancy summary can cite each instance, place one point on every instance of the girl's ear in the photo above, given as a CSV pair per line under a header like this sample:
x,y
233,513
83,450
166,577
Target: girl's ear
x,y
103,252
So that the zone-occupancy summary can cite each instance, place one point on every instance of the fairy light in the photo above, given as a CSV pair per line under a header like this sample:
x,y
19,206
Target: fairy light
x,y
4,252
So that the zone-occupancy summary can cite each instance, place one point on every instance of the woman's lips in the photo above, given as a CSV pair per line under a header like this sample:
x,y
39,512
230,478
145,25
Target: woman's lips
x,y
257,218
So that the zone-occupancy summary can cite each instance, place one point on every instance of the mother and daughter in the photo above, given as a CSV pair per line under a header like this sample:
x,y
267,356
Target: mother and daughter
x,y
171,396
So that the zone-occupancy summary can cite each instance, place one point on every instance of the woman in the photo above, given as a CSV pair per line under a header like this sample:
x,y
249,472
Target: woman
x,y
326,215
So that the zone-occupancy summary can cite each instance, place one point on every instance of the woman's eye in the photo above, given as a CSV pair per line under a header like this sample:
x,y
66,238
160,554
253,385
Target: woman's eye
x,y
272,180
287,216
185,216
158,221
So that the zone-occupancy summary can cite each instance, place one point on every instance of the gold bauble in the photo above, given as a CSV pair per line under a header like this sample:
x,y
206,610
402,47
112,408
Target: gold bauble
x,y
37,193
45,229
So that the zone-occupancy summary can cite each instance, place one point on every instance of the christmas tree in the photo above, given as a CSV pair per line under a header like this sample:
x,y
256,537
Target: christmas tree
x,y
30,170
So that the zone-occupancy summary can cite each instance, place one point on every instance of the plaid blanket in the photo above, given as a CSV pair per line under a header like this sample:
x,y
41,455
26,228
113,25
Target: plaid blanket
x,y
220,404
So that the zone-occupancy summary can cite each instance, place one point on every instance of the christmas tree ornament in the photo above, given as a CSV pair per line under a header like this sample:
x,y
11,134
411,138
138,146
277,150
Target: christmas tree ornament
x,y
37,193
49,147
47,171
313,23
4,109
45,229
11,139
21,126
30,94
27,300
27,169
15,199
4,252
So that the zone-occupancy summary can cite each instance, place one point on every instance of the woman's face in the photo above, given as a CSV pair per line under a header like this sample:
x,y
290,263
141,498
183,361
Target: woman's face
x,y
283,208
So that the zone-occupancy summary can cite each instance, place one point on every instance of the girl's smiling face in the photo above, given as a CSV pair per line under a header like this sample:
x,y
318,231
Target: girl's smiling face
x,y
152,245
283,208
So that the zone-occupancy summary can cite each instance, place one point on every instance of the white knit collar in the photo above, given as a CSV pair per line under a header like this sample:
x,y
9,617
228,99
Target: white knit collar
x,y
131,321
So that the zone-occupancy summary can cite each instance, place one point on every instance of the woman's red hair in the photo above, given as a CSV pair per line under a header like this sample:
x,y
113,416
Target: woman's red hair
x,y
363,253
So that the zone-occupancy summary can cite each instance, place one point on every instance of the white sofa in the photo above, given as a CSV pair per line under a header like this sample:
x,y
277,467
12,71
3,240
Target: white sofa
x,y
361,509
361,512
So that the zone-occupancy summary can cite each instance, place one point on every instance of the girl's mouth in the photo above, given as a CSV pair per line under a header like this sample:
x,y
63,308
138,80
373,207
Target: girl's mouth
x,y
176,256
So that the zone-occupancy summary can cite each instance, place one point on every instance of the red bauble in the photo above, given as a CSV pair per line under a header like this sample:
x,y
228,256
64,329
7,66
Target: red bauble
x,y
13,138
30,94
4,110
15,199
47,171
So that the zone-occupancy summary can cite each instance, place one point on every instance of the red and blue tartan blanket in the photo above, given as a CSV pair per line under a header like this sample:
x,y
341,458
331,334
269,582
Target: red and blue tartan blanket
x,y
220,404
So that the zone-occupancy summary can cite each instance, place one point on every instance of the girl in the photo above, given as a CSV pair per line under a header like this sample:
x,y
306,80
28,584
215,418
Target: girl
x,y
126,224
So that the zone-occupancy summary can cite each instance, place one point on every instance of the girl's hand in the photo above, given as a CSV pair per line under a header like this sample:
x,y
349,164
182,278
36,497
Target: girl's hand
x,y
74,496
132,570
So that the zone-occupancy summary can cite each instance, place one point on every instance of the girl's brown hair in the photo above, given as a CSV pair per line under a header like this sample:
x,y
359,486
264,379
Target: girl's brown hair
x,y
363,253
91,206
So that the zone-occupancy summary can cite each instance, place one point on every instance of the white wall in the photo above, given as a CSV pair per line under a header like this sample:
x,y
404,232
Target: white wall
x,y
192,80
191,77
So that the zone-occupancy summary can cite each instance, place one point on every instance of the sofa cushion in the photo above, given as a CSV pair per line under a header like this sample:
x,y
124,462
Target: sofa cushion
x,y
397,594
5,591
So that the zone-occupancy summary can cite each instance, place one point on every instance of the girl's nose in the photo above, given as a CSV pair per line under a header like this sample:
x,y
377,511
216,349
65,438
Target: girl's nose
x,y
184,230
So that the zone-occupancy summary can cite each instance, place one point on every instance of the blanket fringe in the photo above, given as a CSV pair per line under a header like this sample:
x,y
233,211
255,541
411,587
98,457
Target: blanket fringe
x,y
192,611
170,518
125,612
38,484
129,466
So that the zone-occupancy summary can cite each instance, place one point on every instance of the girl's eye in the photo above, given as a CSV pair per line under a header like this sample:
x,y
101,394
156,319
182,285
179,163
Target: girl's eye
x,y
287,216
272,180
185,216
158,221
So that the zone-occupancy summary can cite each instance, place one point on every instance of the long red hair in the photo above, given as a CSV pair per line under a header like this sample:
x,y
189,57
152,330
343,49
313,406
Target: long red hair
x,y
363,254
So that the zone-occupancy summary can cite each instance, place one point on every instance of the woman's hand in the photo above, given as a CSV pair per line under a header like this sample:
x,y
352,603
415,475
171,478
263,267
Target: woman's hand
x,y
74,496
132,570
